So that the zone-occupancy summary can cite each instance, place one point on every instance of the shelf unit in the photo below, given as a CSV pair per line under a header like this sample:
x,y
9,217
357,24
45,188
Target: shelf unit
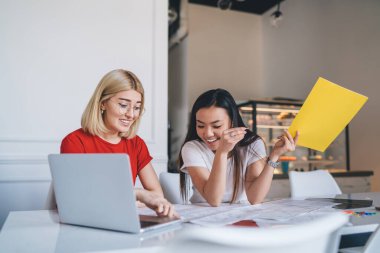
x,y
268,118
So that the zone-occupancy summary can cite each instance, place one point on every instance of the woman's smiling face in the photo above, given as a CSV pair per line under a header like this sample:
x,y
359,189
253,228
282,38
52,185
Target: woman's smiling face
x,y
121,111
210,124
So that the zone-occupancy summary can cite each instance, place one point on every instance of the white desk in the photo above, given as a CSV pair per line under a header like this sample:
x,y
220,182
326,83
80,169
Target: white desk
x,y
363,224
40,231
357,234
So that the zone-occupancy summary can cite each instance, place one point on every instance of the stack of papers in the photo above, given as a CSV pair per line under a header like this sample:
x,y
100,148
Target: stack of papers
x,y
275,211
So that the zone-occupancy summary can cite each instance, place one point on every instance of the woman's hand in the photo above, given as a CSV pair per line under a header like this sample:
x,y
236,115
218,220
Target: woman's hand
x,y
230,138
285,144
140,204
157,203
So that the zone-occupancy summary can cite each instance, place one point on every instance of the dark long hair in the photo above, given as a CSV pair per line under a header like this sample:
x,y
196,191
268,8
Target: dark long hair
x,y
222,99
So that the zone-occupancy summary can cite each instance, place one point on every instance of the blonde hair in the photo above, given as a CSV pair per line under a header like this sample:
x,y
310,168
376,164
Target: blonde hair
x,y
113,82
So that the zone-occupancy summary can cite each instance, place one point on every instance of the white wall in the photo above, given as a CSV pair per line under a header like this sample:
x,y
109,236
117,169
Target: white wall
x,y
338,40
52,56
224,51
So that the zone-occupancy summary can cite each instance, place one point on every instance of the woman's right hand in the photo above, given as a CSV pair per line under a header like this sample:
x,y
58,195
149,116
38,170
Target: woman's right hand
x,y
156,202
285,144
230,138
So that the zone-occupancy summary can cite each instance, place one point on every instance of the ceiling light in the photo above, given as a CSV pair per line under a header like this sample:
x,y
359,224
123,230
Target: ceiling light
x,y
173,15
224,4
276,16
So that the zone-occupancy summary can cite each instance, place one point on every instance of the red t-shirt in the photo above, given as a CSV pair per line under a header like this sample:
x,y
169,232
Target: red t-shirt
x,y
81,142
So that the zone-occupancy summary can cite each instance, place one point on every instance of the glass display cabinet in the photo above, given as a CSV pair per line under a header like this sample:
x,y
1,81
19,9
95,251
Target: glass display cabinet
x,y
268,118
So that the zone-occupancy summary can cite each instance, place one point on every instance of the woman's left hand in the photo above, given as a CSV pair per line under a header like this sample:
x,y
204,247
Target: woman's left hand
x,y
285,144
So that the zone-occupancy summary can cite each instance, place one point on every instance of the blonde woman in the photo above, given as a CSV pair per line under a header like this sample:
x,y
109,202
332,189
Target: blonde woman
x,y
109,125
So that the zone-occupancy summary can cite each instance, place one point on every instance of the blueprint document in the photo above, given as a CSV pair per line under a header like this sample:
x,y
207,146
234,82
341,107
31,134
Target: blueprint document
x,y
285,211
194,212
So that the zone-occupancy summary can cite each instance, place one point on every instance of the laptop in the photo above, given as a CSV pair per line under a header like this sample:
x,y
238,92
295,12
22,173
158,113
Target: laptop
x,y
346,203
96,190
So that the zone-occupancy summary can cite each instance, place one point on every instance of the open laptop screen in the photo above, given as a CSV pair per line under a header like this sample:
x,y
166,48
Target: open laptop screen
x,y
97,190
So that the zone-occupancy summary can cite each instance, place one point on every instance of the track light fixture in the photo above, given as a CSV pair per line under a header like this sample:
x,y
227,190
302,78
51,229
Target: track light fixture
x,y
173,15
276,16
224,4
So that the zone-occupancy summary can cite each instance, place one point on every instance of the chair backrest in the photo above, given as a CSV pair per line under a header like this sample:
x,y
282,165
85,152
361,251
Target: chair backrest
x,y
170,186
24,196
317,183
316,236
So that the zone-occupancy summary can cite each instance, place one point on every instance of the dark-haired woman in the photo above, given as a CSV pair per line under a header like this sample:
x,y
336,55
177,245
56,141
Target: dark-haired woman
x,y
225,161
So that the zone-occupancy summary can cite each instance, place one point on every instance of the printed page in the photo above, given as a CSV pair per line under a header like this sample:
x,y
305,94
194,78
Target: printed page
x,y
286,209
279,211
196,211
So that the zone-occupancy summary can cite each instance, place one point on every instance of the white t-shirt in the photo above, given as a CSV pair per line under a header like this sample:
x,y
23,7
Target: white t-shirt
x,y
196,154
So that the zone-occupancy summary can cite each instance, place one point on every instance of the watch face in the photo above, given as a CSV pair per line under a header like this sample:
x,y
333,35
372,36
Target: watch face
x,y
273,164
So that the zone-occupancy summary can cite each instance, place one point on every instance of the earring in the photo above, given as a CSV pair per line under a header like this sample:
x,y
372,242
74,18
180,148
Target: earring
x,y
101,111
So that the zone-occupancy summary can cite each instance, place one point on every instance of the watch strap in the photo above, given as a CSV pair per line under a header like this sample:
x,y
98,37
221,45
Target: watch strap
x,y
273,164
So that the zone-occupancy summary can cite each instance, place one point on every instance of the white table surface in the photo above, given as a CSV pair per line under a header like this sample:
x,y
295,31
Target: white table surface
x,y
361,224
40,231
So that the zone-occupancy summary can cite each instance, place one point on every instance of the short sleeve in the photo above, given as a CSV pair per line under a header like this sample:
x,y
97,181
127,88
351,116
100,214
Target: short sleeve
x,y
143,155
256,151
191,156
72,144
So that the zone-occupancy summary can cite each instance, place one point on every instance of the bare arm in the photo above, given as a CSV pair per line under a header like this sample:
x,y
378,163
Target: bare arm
x,y
259,175
159,204
258,180
152,195
211,185
149,180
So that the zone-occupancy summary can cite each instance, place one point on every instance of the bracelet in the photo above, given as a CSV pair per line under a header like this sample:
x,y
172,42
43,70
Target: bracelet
x,y
272,164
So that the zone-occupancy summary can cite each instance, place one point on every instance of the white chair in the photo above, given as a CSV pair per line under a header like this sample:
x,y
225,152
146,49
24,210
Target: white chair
x,y
317,183
170,186
25,196
371,246
316,236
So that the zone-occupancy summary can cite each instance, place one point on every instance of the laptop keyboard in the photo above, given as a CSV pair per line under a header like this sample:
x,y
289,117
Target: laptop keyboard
x,y
145,224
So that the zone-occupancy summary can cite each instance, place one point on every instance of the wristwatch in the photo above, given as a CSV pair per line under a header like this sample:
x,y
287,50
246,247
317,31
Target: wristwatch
x,y
273,164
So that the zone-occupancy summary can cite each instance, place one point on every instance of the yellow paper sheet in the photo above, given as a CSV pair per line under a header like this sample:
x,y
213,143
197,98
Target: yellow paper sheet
x,y
326,112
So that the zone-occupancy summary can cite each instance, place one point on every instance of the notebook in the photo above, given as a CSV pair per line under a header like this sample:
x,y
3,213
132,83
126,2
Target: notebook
x,y
96,190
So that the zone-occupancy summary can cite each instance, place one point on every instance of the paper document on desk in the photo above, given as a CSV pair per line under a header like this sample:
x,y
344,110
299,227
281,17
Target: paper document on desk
x,y
279,210
201,210
326,112
228,217
286,209
197,211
